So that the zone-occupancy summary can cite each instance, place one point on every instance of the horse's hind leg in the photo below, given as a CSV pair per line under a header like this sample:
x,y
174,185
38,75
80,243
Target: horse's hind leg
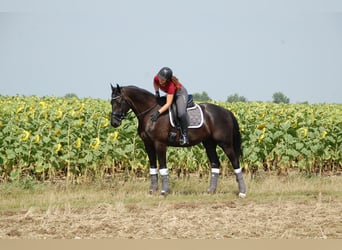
x,y
237,169
241,182
210,148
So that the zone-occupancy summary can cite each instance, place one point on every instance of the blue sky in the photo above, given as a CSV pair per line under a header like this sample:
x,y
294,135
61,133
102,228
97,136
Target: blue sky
x,y
222,47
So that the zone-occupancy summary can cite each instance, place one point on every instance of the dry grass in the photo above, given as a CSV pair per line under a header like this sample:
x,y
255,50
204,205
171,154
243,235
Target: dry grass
x,y
276,208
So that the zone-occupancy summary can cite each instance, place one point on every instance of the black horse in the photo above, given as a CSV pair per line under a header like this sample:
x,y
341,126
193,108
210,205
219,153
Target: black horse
x,y
220,128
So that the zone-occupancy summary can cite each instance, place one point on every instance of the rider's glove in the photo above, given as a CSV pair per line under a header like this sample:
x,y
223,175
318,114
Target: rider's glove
x,y
155,116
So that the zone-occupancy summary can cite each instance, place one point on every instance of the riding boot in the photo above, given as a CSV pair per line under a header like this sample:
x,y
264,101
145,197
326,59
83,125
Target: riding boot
x,y
241,183
184,129
154,183
213,183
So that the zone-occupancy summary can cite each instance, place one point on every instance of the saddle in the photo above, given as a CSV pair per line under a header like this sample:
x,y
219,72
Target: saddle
x,y
193,109
195,117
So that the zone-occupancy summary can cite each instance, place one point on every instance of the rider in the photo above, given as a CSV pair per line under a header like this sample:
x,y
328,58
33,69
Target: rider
x,y
175,92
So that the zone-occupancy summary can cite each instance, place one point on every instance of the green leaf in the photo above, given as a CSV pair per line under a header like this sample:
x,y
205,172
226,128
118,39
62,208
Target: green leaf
x,y
14,176
10,154
39,169
89,157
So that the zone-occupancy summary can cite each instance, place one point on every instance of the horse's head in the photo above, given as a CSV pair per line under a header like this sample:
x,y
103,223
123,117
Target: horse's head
x,y
120,106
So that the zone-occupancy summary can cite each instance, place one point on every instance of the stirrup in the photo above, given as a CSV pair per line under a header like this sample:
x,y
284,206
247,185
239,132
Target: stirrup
x,y
184,140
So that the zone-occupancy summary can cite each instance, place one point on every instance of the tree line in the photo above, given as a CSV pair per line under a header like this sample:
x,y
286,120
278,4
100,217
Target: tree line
x,y
277,97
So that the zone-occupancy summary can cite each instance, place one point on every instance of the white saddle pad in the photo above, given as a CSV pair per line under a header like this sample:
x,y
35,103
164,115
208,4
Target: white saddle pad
x,y
195,117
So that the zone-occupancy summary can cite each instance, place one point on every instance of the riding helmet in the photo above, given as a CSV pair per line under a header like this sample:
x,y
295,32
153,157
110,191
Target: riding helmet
x,y
165,74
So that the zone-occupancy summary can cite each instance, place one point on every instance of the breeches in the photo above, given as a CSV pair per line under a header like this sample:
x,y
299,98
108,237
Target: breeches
x,y
181,101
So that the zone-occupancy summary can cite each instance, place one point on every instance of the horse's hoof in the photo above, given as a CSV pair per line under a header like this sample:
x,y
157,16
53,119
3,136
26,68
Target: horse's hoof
x,y
152,191
164,192
242,195
211,191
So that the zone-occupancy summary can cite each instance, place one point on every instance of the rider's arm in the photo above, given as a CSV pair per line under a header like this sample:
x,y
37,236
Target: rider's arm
x,y
156,86
169,99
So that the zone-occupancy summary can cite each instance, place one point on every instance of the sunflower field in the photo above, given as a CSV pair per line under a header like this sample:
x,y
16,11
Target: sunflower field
x,y
48,137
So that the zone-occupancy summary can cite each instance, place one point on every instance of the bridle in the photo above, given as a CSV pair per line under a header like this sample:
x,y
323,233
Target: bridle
x,y
120,116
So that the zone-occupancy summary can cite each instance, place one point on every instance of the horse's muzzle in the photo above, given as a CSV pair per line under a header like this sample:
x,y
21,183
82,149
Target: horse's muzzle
x,y
115,123
116,119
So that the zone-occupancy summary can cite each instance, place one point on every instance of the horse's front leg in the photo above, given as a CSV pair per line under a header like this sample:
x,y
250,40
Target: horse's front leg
x,y
163,170
151,152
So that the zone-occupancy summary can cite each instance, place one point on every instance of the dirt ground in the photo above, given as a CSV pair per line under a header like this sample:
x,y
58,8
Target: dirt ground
x,y
230,219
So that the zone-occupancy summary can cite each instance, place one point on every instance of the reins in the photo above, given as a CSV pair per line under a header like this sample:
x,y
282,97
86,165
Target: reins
x,y
146,111
132,104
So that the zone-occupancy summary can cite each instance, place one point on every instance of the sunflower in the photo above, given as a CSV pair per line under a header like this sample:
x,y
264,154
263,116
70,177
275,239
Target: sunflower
x,y
78,142
58,147
95,143
302,132
25,135
37,138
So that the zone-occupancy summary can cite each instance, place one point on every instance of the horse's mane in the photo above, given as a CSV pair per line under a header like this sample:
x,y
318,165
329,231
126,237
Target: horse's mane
x,y
137,93
135,88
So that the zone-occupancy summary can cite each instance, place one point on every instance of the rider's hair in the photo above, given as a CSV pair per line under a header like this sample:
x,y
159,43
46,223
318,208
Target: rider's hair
x,y
175,81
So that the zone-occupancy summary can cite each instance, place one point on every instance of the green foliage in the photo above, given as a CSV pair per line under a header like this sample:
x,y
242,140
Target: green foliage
x,y
70,95
49,137
203,97
236,98
54,136
279,97
283,136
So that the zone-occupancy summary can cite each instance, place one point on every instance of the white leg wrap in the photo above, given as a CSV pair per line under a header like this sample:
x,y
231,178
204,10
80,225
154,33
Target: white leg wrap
x,y
237,171
215,170
153,171
164,171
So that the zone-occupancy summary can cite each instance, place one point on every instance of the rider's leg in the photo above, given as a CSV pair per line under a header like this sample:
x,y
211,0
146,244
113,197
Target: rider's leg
x,y
184,123
181,102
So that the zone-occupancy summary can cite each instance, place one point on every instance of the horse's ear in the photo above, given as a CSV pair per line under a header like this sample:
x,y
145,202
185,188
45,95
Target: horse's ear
x,y
112,87
118,88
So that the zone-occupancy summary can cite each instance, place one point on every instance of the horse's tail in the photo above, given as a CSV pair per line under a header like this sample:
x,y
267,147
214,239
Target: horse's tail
x,y
237,143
